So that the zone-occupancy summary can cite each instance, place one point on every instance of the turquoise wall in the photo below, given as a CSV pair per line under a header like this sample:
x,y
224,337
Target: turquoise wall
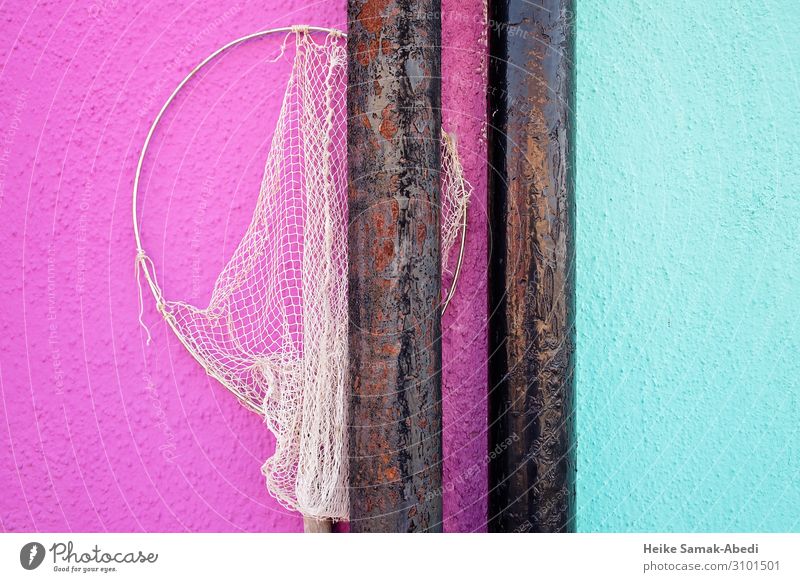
x,y
689,266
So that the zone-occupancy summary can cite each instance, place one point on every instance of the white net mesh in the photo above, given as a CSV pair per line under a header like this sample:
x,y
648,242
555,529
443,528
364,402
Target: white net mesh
x,y
275,330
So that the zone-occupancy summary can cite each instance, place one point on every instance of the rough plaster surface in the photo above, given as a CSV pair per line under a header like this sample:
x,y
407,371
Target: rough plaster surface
x,y
464,349
100,431
688,266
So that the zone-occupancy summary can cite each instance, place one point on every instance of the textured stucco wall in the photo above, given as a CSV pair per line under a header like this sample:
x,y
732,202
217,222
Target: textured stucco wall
x,y
464,348
688,266
97,430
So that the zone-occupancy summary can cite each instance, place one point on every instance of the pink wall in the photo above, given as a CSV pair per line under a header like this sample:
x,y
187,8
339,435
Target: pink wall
x,y
99,431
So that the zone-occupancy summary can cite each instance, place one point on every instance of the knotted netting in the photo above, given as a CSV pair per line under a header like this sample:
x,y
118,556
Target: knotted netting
x,y
275,330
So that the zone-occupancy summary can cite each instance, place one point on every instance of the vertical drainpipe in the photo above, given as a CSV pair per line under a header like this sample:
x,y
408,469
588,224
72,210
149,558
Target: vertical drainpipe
x,y
531,266
394,128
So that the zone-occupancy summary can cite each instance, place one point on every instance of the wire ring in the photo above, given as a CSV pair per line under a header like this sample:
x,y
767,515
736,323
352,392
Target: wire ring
x,y
142,258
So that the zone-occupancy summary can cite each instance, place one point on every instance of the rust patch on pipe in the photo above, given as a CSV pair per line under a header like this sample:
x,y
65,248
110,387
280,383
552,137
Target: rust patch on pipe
x,y
370,15
388,127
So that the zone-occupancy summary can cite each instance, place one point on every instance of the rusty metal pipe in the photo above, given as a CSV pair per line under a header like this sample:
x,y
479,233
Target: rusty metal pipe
x,y
394,132
531,266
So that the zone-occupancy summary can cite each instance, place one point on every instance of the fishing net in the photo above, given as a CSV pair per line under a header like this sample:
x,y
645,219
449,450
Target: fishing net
x,y
275,330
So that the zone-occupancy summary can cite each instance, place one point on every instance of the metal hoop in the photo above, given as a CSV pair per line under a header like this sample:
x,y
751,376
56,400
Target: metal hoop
x,y
142,259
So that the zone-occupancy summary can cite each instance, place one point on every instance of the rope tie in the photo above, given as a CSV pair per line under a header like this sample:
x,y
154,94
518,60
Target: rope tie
x,y
140,265
144,265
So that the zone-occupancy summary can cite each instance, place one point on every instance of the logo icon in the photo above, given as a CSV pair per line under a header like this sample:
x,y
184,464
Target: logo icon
x,y
31,555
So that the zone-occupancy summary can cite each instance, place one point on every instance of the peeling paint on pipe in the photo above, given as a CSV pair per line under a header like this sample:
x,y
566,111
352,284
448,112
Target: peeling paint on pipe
x,y
531,266
394,128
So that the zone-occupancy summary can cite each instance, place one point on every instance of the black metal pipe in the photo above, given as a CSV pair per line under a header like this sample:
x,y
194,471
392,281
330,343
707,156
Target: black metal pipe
x,y
531,266
394,129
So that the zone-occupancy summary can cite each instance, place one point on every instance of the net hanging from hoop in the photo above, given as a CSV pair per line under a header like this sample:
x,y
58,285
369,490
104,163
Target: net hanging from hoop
x,y
275,330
